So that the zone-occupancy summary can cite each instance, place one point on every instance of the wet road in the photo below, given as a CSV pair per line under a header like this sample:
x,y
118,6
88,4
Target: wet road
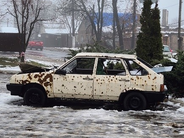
x,y
21,121
56,55
48,52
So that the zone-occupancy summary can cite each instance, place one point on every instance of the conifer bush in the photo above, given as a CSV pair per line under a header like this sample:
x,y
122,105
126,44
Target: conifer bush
x,y
175,79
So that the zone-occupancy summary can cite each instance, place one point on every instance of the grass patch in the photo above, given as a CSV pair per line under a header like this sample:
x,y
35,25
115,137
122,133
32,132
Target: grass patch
x,y
8,62
15,62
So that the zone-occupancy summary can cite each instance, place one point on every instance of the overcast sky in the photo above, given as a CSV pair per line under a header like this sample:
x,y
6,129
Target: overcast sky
x,y
173,7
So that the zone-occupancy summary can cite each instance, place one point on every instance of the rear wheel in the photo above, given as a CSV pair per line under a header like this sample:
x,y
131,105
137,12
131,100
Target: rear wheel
x,y
134,101
34,97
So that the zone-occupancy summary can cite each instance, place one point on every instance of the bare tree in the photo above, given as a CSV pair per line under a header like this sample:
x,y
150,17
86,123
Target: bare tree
x,y
3,12
70,15
118,24
94,13
27,14
95,18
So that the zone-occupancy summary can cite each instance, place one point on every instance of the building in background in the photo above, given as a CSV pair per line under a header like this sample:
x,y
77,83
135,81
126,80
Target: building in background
x,y
165,15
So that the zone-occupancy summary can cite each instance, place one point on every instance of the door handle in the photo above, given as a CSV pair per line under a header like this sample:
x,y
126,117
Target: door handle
x,y
124,80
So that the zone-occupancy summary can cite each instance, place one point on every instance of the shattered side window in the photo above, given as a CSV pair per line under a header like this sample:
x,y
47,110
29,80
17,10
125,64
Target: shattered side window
x,y
110,67
70,67
80,66
135,69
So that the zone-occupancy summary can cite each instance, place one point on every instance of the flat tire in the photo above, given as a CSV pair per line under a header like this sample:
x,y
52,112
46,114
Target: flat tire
x,y
34,97
134,101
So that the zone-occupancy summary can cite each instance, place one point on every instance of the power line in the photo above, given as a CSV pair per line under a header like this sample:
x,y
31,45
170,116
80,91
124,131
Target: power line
x,y
176,22
171,6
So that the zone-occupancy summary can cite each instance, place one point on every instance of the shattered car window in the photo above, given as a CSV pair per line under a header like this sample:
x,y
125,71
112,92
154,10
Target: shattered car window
x,y
80,66
110,67
135,69
69,68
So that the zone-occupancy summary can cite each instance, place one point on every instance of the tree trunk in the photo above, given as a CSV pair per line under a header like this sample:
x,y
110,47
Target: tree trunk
x,y
119,29
114,28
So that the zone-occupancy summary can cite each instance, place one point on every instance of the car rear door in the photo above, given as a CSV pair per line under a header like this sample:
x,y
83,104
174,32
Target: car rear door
x,y
115,80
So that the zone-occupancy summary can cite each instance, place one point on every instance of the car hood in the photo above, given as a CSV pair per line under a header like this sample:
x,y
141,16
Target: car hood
x,y
30,68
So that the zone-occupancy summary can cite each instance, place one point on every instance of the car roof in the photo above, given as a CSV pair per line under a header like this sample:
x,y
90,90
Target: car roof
x,y
165,45
107,55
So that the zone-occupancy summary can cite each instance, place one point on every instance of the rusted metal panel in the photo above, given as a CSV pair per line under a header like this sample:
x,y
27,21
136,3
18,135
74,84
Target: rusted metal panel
x,y
43,78
73,85
110,86
146,83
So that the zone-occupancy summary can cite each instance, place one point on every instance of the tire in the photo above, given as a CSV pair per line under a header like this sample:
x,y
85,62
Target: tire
x,y
134,101
34,97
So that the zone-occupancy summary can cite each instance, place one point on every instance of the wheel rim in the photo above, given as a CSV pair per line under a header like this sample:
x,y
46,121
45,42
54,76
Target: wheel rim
x,y
34,98
135,102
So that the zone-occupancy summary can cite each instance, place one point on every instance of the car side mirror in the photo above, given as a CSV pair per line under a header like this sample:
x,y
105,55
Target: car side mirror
x,y
60,71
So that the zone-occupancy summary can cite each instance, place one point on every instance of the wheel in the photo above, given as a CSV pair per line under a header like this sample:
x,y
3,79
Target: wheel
x,y
134,101
34,97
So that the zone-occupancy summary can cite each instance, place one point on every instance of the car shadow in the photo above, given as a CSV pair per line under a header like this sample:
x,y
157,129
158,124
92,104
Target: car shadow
x,y
73,104
82,104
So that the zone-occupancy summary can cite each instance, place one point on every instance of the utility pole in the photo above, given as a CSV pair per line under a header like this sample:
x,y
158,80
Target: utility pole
x,y
114,27
73,26
134,25
180,39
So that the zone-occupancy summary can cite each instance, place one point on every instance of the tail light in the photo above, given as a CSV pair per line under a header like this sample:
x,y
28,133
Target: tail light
x,y
161,87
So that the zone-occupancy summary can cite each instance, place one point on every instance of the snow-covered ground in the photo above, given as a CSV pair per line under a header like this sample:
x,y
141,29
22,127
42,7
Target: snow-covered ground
x,y
20,121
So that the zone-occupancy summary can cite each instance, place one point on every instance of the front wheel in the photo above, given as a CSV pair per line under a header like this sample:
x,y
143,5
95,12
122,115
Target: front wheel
x,y
34,97
134,101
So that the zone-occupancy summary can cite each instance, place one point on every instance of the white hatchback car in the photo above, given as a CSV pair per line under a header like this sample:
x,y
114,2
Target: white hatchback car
x,y
167,51
108,77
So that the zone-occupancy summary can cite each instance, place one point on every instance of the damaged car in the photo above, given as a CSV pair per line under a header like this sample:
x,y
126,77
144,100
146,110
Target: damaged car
x,y
124,79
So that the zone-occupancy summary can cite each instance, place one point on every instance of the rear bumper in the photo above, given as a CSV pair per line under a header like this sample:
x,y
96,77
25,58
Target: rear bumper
x,y
15,89
155,97
33,46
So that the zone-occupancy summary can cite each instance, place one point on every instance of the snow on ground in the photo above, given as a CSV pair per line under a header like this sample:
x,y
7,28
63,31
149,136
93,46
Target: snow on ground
x,y
64,122
10,69
59,121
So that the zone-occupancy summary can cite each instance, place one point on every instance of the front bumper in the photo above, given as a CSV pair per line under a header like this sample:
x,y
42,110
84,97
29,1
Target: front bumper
x,y
15,89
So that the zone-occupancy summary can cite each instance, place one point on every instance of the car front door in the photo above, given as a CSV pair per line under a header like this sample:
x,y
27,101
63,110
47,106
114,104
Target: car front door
x,y
78,80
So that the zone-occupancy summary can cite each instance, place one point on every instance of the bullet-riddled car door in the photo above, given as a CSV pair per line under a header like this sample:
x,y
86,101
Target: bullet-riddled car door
x,y
78,80
111,79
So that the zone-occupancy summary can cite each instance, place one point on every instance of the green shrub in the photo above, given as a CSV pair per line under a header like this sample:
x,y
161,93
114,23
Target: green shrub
x,y
8,61
175,79
97,47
